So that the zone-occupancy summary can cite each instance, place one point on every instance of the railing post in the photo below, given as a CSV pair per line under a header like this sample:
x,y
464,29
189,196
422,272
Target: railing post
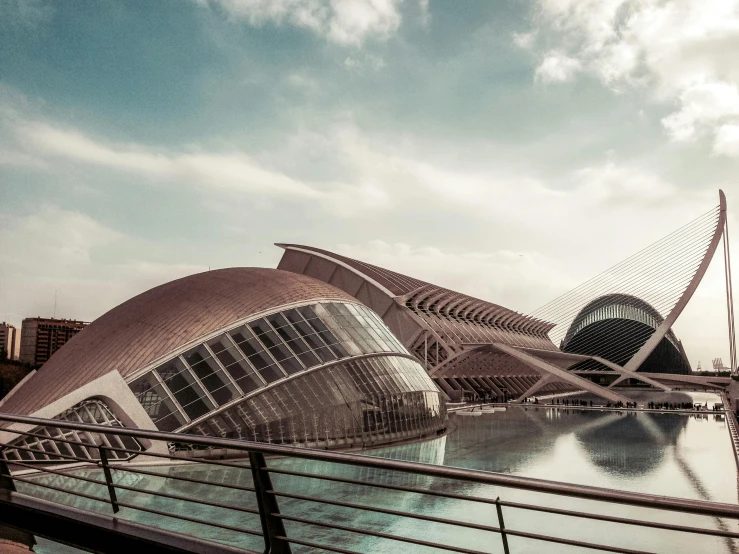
x,y
272,527
10,534
501,524
6,478
108,478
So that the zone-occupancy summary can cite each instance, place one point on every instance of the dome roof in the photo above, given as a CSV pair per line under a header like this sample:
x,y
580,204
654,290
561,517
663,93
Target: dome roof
x,y
158,321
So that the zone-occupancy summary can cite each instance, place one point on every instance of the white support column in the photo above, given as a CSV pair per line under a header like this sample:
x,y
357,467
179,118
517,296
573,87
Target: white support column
x,y
561,374
543,381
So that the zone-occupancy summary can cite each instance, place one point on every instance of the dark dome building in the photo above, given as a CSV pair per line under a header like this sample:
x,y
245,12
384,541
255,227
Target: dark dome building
x,y
251,353
615,327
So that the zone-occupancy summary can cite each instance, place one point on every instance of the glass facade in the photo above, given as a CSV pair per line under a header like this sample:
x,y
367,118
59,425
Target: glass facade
x,y
361,401
49,445
367,395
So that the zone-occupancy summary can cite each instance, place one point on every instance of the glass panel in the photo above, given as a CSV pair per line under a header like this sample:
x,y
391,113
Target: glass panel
x,y
272,373
288,334
196,355
211,375
276,347
351,401
197,407
170,422
240,335
277,321
310,336
170,373
157,403
328,337
185,389
236,365
256,355
96,413
219,386
307,313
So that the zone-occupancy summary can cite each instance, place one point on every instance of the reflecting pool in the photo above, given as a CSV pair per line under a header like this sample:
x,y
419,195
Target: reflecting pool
x,y
670,454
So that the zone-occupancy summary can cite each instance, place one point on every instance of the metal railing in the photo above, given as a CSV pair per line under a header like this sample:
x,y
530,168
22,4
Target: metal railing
x,y
285,516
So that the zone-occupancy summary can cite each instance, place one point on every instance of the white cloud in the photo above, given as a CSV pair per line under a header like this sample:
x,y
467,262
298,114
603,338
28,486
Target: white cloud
x,y
304,82
346,22
221,170
523,280
557,67
685,50
48,147
727,141
66,237
348,173
702,106
353,20
525,41
610,182
53,249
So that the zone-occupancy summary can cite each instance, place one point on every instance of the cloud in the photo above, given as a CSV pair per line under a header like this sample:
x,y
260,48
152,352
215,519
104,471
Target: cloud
x,y
55,249
610,182
523,280
65,237
683,50
704,105
344,22
727,141
557,68
345,172
303,82
525,41
28,141
221,170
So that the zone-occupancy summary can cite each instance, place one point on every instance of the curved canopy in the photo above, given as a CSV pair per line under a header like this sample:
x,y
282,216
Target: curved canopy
x,y
616,326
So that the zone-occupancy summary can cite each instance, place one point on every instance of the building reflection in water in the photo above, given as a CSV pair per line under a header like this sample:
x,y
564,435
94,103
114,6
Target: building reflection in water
x,y
622,446
628,446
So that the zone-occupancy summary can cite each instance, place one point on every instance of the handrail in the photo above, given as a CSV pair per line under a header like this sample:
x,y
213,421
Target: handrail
x,y
266,496
697,507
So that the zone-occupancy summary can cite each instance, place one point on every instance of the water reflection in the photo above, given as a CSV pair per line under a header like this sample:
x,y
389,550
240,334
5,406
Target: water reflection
x,y
632,444
667,454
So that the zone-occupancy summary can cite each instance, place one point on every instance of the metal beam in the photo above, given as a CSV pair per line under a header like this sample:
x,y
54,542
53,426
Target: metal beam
x,y
543,381
630,374
648,347
563,375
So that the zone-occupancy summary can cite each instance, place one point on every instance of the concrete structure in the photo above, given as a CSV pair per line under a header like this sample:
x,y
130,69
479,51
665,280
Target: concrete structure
x,y
468,346
41,337
258,354
475,348
615,327
9,341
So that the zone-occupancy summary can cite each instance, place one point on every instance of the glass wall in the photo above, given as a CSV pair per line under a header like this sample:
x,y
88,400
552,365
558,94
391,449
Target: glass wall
x,y
253,355
358,401
48,445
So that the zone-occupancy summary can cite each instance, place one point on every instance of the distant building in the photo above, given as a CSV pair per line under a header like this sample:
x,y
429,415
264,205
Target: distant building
x,y
9,341
41,337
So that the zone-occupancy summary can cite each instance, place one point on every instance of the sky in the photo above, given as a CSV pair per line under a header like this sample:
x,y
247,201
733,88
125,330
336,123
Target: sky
x,y
506,149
